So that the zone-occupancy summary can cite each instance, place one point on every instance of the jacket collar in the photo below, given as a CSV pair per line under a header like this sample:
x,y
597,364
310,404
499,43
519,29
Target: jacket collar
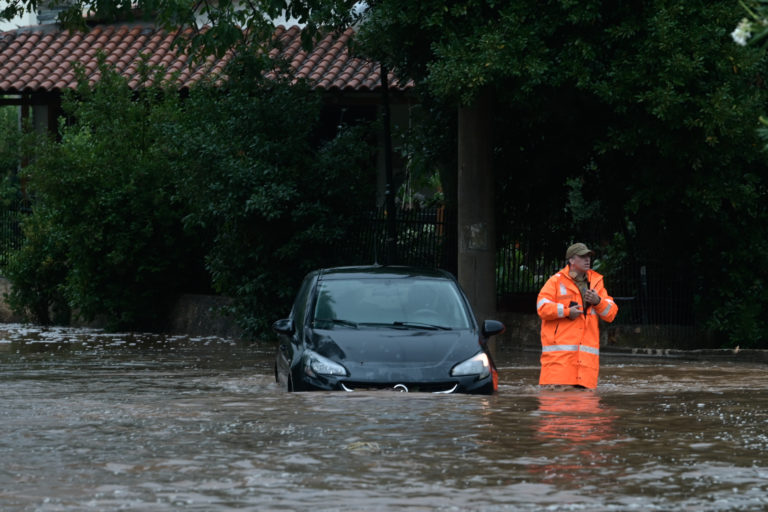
x,y
592,276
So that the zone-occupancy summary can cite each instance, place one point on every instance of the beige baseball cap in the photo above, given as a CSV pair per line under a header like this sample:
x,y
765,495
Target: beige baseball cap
x,y
578,249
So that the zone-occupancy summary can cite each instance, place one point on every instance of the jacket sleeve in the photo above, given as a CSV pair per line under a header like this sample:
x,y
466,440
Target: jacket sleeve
x,y
547,306
607,308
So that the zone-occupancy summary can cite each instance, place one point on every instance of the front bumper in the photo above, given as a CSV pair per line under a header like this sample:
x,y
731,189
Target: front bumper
x,y
467,384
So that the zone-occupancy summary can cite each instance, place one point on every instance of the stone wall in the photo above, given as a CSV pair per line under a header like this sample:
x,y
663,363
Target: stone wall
x,y
195,315
6,315
202,315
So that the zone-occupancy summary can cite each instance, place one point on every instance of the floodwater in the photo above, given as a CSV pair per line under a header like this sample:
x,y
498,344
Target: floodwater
x,y
92,421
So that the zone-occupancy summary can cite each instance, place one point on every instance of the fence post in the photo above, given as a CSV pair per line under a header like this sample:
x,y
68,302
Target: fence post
x,y
644,295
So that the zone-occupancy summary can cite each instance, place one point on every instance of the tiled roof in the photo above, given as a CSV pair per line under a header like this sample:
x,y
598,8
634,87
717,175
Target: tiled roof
x,y
41,60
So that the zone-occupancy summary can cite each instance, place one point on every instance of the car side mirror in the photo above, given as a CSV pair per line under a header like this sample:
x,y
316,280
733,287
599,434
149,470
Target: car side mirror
x,y
492,328
284,326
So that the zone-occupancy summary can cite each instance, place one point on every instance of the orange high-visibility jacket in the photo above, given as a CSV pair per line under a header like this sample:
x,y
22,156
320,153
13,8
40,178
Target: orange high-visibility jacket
x,y
570,349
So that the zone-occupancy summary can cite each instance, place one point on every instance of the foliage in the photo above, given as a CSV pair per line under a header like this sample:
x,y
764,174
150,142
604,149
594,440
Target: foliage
x,y
753,30
631,126
9,140
276,199
648,107
620,123
518,272
675,156
428,149
38,271
236,171
104,237
744,302
10,156
229,23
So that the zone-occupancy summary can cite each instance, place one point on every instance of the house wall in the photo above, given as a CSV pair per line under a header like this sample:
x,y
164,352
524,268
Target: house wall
x,y
25,20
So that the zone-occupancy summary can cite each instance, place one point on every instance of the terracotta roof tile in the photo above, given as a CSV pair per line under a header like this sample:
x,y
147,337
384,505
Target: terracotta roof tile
x,y
37,60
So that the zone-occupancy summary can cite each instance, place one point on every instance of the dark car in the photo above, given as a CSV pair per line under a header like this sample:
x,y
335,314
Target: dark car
x,y
384,327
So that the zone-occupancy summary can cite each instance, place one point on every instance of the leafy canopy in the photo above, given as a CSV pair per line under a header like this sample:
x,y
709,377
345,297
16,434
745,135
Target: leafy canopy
x,y
276,197
105,235
646,110
144,189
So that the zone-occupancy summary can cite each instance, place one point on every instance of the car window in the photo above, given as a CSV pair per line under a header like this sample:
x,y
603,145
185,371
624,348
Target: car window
x,y
387,301
300,304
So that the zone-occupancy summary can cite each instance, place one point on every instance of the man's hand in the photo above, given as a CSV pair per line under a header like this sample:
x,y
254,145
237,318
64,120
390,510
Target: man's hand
x,y
592,297
574,312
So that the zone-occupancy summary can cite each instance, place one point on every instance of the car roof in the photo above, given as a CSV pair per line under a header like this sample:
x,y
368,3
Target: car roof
x,y
383,272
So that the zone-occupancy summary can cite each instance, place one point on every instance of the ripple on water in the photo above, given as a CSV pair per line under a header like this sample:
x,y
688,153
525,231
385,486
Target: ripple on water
x,y
110,421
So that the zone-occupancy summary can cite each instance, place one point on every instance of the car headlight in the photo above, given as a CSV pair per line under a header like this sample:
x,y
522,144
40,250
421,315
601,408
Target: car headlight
x,y
315,364
478,365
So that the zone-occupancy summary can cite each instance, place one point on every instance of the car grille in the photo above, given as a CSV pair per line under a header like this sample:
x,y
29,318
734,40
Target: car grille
x,y
412,387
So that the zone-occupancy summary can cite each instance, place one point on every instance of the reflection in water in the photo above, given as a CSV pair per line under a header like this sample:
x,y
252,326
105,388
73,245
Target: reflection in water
x,y
92,421
574,415
576,431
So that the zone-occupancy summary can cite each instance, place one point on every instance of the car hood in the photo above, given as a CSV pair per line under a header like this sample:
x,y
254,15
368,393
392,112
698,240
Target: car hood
x,y
386,354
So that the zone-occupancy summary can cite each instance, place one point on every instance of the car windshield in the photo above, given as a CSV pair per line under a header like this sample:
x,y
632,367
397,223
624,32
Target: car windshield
x,y
396,302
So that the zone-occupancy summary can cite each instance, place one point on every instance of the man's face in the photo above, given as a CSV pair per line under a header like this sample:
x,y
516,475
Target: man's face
x,y
580,263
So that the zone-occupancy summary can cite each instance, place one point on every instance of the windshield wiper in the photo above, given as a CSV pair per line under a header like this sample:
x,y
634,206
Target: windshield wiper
x,y
421,325
337,321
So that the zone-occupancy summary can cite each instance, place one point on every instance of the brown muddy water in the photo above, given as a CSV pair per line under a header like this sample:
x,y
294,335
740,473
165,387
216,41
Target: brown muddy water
x,y
95,421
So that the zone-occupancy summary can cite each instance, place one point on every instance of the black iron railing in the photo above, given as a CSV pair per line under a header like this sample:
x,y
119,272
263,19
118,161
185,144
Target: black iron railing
x,y
422,237
647,292
11,236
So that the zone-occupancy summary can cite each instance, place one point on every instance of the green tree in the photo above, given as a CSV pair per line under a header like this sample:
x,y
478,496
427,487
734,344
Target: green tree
x,y
645,111
647,106
142,186
38,271
104,238
9,137
276,199
10,157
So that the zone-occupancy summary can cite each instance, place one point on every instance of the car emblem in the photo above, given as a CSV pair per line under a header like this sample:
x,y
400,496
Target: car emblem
x,y
401,388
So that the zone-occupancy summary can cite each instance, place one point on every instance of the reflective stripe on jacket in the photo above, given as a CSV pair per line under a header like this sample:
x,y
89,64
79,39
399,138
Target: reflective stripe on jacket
x,y
570,349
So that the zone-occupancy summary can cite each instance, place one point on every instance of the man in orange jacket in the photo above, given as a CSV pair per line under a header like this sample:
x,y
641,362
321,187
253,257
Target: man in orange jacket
x,y
569,305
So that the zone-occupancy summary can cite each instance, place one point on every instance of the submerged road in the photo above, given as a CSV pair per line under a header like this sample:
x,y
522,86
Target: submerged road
x,y
95,421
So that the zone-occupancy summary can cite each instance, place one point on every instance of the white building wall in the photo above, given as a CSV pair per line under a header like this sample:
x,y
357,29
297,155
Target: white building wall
x,y
25,20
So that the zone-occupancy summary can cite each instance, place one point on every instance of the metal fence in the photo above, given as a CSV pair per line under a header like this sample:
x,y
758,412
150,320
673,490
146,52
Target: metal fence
x,y
648,293
11,236
421,237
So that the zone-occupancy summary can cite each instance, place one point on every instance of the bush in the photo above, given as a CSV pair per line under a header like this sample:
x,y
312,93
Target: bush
x,y
276,198
142,184
105,235
38,271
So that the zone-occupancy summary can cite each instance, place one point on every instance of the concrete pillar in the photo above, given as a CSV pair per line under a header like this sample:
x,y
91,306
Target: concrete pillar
x,y
476,226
